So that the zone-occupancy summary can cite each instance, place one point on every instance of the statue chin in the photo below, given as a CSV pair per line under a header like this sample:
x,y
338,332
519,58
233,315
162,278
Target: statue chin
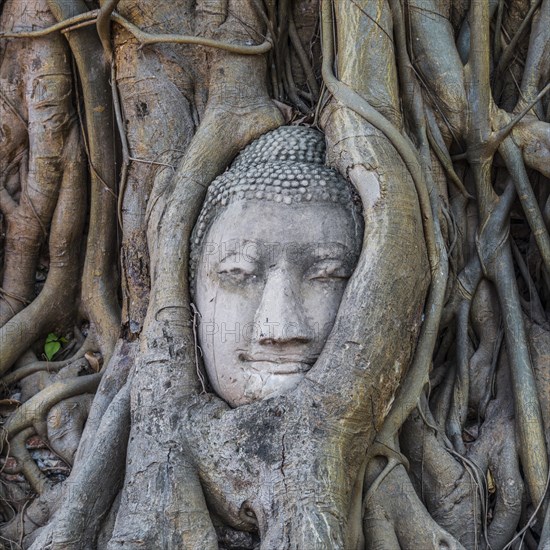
x,y
271,266
258,386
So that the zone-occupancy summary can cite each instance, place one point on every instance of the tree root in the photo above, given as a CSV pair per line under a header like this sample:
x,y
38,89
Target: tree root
x,y
418,372
93,487
36,408
441,481
396,518
238,110
480,427
46,94
529,424
50,366
103,25
56,301
113,380
98,281
486,321
537,67
511,48
495,454
145,38
65,422
62,25
458,411
544,542
494,250
304,61
514,162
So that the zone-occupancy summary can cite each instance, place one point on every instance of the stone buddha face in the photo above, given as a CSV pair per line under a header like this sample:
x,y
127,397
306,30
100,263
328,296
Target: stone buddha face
x,y
269,270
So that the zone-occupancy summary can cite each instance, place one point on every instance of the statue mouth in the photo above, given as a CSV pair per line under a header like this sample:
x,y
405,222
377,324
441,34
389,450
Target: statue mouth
x,y
280,364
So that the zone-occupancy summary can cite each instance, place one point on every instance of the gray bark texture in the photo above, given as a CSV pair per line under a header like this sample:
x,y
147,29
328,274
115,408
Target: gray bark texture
x,y
424,422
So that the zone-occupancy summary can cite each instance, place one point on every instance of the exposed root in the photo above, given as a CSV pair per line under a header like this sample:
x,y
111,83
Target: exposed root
x,y
103,25
395,514
238,111
304,61
145,38
114,378
65,422
50,366
35,409
479,469
62,25
55,304
93,487
99,277
46,92
106,14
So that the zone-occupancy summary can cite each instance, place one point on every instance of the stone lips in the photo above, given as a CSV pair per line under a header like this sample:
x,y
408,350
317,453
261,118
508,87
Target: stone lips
x,y
285,166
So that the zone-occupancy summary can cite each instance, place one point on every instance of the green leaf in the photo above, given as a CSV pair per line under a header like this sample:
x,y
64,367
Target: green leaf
x,y
51,348
52,337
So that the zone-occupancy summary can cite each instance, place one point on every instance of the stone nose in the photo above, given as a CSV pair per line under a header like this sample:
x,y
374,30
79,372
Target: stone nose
x,y
280,315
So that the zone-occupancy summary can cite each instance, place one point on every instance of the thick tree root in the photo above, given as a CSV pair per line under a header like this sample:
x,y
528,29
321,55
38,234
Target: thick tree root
x,y
55,304
65,422
395,512
89,16
148,38
98,280
113,380
46,95
461,442
49,366
417,377
35,409
93,487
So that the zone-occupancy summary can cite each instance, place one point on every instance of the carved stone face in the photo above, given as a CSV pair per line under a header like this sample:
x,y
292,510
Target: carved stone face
x,y
269,282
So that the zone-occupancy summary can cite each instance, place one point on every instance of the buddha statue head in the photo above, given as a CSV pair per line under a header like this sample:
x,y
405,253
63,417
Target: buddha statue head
x,y
275,243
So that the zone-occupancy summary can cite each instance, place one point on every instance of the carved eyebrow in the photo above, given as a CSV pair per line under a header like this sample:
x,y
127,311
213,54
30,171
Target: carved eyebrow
x,y
327,250
252,251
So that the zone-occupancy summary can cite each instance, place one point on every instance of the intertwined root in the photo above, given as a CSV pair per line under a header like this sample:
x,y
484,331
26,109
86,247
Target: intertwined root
x,y
468,481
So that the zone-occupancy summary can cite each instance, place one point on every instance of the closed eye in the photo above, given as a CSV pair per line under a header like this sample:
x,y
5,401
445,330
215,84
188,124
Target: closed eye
x,y
328,270
236,274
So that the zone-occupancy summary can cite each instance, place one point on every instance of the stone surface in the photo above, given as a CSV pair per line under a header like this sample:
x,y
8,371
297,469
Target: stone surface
x,y
277,239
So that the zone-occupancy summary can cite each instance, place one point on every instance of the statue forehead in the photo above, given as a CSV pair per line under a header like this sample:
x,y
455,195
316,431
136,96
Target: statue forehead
x,y
271,222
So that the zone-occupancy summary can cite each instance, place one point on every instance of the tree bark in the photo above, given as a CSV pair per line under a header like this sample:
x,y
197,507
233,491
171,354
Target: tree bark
x,y
424,422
